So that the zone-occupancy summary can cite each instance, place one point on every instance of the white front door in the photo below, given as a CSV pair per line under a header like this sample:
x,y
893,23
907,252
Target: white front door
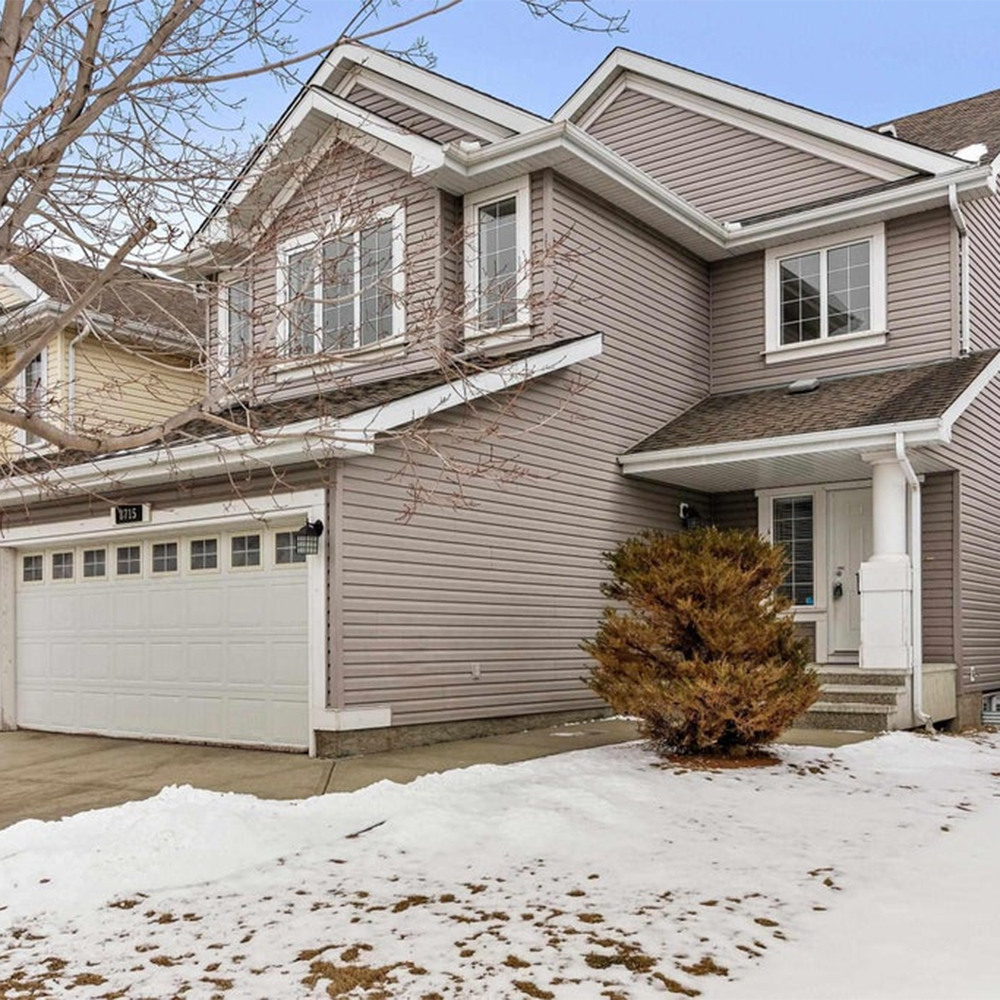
x,y
849,520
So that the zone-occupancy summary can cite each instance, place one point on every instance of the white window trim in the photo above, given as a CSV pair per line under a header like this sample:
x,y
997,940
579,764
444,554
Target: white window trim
x,y
765,525
315,241
875,336
222,317
22,381
521,190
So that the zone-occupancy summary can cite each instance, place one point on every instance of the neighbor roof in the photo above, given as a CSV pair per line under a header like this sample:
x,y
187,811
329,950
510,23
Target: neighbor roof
x,y
954,126
897,396
132,296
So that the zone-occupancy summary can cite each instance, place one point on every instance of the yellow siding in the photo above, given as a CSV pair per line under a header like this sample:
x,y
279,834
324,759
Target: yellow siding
x,y
117,390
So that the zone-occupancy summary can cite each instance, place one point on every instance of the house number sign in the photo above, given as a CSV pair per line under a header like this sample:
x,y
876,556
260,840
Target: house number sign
x,y
130,513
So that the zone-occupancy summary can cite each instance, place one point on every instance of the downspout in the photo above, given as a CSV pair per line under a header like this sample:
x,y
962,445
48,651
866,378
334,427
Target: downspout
x,y
965,326
85,329
916,595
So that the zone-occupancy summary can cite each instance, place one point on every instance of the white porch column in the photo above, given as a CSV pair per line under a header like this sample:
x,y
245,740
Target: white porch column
x,y
886,578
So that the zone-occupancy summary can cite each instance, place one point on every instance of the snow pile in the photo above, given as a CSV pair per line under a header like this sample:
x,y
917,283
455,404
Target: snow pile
x,y
599,873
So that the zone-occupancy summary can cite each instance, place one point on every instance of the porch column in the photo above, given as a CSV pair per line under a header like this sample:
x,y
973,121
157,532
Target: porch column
x,y
886,579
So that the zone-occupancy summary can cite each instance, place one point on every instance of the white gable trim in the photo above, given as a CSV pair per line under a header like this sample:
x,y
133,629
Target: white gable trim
x,y
18,290
307,440
423,153
426,103
435,87
855,137
969,394
816,145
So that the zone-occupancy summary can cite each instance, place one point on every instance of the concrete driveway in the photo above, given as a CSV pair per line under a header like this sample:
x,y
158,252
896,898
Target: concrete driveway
x,y
51,775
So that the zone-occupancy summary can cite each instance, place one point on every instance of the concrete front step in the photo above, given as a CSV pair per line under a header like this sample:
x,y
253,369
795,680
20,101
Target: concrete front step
x,y
859,716
832,673
873,694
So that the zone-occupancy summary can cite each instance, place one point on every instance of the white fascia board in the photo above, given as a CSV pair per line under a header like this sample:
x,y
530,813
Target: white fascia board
x,y
482,105
917,432
26,291
465,170
431,401
424,154
844,133
969,394
318,438
480,167
970,183
427,103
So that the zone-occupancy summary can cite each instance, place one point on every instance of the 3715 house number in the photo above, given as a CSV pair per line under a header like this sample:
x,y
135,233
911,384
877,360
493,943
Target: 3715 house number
x,y
129,513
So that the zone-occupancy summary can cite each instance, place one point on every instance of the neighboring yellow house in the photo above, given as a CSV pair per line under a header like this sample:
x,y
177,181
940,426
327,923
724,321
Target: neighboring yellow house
x,y
133,359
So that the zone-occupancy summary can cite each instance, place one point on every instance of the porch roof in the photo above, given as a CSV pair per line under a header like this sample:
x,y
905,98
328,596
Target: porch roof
x,y
777,437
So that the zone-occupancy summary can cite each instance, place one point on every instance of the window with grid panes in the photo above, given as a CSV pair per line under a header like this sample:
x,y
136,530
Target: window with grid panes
x,y
792,527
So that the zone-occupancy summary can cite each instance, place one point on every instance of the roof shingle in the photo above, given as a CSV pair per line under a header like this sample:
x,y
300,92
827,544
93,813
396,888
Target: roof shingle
x,y
887,397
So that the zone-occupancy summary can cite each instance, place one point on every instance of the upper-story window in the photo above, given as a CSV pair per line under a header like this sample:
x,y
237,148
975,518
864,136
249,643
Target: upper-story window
x,y
343,293
33,393
498,224
235,321
826,295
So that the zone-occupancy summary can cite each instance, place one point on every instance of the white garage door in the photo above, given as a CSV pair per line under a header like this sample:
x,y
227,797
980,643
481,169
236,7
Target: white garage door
x,y
201,637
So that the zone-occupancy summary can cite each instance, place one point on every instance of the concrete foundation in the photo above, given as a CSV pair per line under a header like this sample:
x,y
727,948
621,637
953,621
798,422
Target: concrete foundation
x,y
351,743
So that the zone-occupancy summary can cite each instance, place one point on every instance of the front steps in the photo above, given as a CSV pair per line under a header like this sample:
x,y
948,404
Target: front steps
x,y
864,700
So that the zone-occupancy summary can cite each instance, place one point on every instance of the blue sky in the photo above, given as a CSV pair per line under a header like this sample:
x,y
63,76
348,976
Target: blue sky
x,y
865,62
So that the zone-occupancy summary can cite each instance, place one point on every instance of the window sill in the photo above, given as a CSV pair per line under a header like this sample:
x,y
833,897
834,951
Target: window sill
x,y
290,369
819,348
515,333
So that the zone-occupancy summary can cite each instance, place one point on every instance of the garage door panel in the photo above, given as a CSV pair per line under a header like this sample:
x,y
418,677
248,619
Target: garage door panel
x,y
95,611
218,655
129,608
96,661
207,662
166,661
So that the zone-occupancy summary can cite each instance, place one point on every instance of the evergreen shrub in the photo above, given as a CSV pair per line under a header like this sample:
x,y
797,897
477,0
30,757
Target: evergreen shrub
x,y
697,645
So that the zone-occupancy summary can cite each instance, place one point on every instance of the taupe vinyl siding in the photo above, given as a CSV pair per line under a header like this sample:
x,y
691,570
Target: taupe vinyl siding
x,y
727,172
938,544
976,451
735,510
921,277
406,117
502,569
983,221
353,185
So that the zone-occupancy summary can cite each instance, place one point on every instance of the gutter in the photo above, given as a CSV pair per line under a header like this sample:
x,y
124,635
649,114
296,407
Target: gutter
x,y
916,593
965,324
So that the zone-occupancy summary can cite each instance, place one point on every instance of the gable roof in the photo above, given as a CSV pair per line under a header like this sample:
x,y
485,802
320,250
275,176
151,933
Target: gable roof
x,y
134,301
954,126
621,62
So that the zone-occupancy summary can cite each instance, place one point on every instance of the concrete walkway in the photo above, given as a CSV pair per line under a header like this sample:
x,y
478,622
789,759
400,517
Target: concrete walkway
x,y
51,775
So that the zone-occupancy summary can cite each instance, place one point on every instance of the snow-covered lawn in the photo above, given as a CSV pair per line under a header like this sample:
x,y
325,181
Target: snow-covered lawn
x,y
869,871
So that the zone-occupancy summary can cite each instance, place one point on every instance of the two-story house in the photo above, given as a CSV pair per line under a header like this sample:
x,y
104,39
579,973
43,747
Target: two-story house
x,y
466,349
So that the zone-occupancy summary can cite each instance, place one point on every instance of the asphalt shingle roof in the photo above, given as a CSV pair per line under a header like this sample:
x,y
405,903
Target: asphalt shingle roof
x,y
897,396
132,296
954,126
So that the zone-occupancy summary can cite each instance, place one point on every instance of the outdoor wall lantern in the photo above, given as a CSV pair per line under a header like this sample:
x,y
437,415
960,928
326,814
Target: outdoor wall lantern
x,y
307,538
690,518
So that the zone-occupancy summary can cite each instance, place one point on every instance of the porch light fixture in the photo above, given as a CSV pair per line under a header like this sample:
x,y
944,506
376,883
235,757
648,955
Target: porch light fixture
x,y
690,518
307,538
